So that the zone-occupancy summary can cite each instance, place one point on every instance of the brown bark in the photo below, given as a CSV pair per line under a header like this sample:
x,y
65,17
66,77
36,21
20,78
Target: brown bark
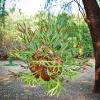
x,y
93,20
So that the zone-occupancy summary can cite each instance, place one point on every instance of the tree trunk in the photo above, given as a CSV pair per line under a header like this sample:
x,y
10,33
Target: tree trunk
x,y
93,20
3,13
2,20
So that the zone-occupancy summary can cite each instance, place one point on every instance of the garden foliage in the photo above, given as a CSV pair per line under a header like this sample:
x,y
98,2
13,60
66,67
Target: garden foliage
x,y
50,45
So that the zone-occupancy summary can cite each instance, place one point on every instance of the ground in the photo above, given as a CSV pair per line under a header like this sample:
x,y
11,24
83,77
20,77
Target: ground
x,y
77,89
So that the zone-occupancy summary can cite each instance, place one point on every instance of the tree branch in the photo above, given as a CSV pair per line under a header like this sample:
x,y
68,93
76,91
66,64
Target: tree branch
x,y
80,8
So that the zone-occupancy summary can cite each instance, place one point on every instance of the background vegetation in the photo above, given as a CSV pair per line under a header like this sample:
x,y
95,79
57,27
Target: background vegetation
x,y
63,34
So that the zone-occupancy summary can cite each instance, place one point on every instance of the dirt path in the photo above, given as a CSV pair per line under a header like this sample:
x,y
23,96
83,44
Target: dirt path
x,y
14,89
